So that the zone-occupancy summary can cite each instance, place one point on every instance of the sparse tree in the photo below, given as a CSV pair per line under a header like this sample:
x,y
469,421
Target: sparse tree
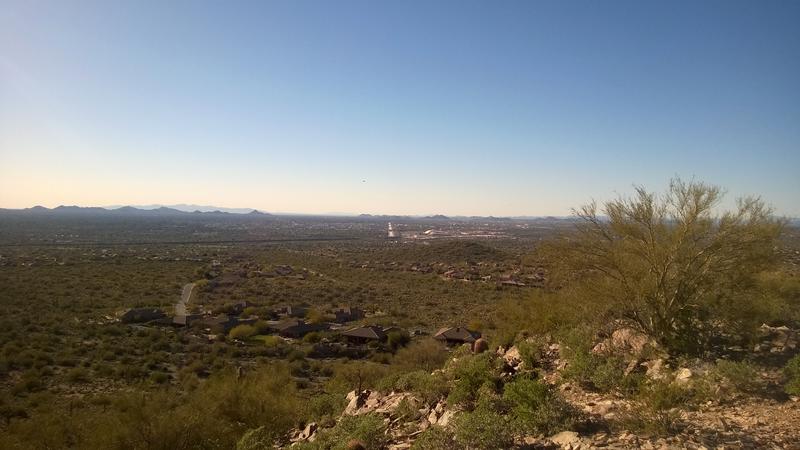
x,y
671,265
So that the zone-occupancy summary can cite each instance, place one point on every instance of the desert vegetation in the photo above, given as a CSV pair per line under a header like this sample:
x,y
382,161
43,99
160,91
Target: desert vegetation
x,y
652,317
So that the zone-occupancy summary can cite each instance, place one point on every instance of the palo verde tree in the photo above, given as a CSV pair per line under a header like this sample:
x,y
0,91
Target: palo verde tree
x,y
672,265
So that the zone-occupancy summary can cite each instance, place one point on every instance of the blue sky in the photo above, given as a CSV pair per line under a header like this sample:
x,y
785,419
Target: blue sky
x,y
503,108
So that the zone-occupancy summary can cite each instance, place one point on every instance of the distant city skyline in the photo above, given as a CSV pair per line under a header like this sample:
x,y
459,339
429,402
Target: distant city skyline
x,y
411,108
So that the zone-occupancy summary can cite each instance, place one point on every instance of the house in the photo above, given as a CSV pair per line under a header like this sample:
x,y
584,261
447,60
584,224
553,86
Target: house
x,y
457,335
224,322
238,308
298,311
185,320
347,314
364,334
296,328
393,329
142,315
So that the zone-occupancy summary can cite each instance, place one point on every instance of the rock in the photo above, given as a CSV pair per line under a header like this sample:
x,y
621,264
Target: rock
x,y
433,417
683,375
355,444
356,401
512,356
565,439
446,417
480,346
656,369
308,432
623,340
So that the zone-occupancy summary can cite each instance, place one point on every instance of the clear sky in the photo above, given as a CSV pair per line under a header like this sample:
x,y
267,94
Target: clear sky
x,y
503,108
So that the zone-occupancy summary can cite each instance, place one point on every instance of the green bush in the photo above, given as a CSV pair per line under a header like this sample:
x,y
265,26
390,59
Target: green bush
x,y
368,428
429,388
259,438
426,354
242,332
434,438
483,429
658,405
740,375
78,375
469,374
792,373
536,408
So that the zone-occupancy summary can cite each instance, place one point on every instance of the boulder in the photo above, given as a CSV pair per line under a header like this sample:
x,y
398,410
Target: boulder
x,y
446,417
565,439
623,341
683,375
480,346
308,432
656,369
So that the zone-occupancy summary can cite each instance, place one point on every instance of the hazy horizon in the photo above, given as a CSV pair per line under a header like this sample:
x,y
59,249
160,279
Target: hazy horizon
x,y
413,108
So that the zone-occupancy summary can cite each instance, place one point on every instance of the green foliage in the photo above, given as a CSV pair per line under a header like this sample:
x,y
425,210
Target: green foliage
x,y
242,332
259,438
468,374
792,373
397,339
658,404
214,416
483,429
428,387
740,375
598,372
425,354
368,428
667,263
535,408
434,438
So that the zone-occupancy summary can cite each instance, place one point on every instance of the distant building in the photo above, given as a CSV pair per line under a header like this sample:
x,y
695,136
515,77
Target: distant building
x,y
296,311
185,320
142,315
295,328
347,314
457,335
224,322
364,334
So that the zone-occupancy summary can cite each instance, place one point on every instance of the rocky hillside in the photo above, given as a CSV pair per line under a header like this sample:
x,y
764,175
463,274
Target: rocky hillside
x,y
541,393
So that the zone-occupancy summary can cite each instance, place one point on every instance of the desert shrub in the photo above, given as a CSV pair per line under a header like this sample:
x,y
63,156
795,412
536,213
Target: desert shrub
x,y
406,411
483,428
256,439
242,332
352,375
599,372
792,373
312,338
434,438
740,375
658,406
469,374
425,354
367,428
78,375
536,408
669,262
530,352
270,341
325,405
261,326
429,387
397,339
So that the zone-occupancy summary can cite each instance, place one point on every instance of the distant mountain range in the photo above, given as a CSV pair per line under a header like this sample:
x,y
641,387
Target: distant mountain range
x,y
152,210
187,208
184,210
